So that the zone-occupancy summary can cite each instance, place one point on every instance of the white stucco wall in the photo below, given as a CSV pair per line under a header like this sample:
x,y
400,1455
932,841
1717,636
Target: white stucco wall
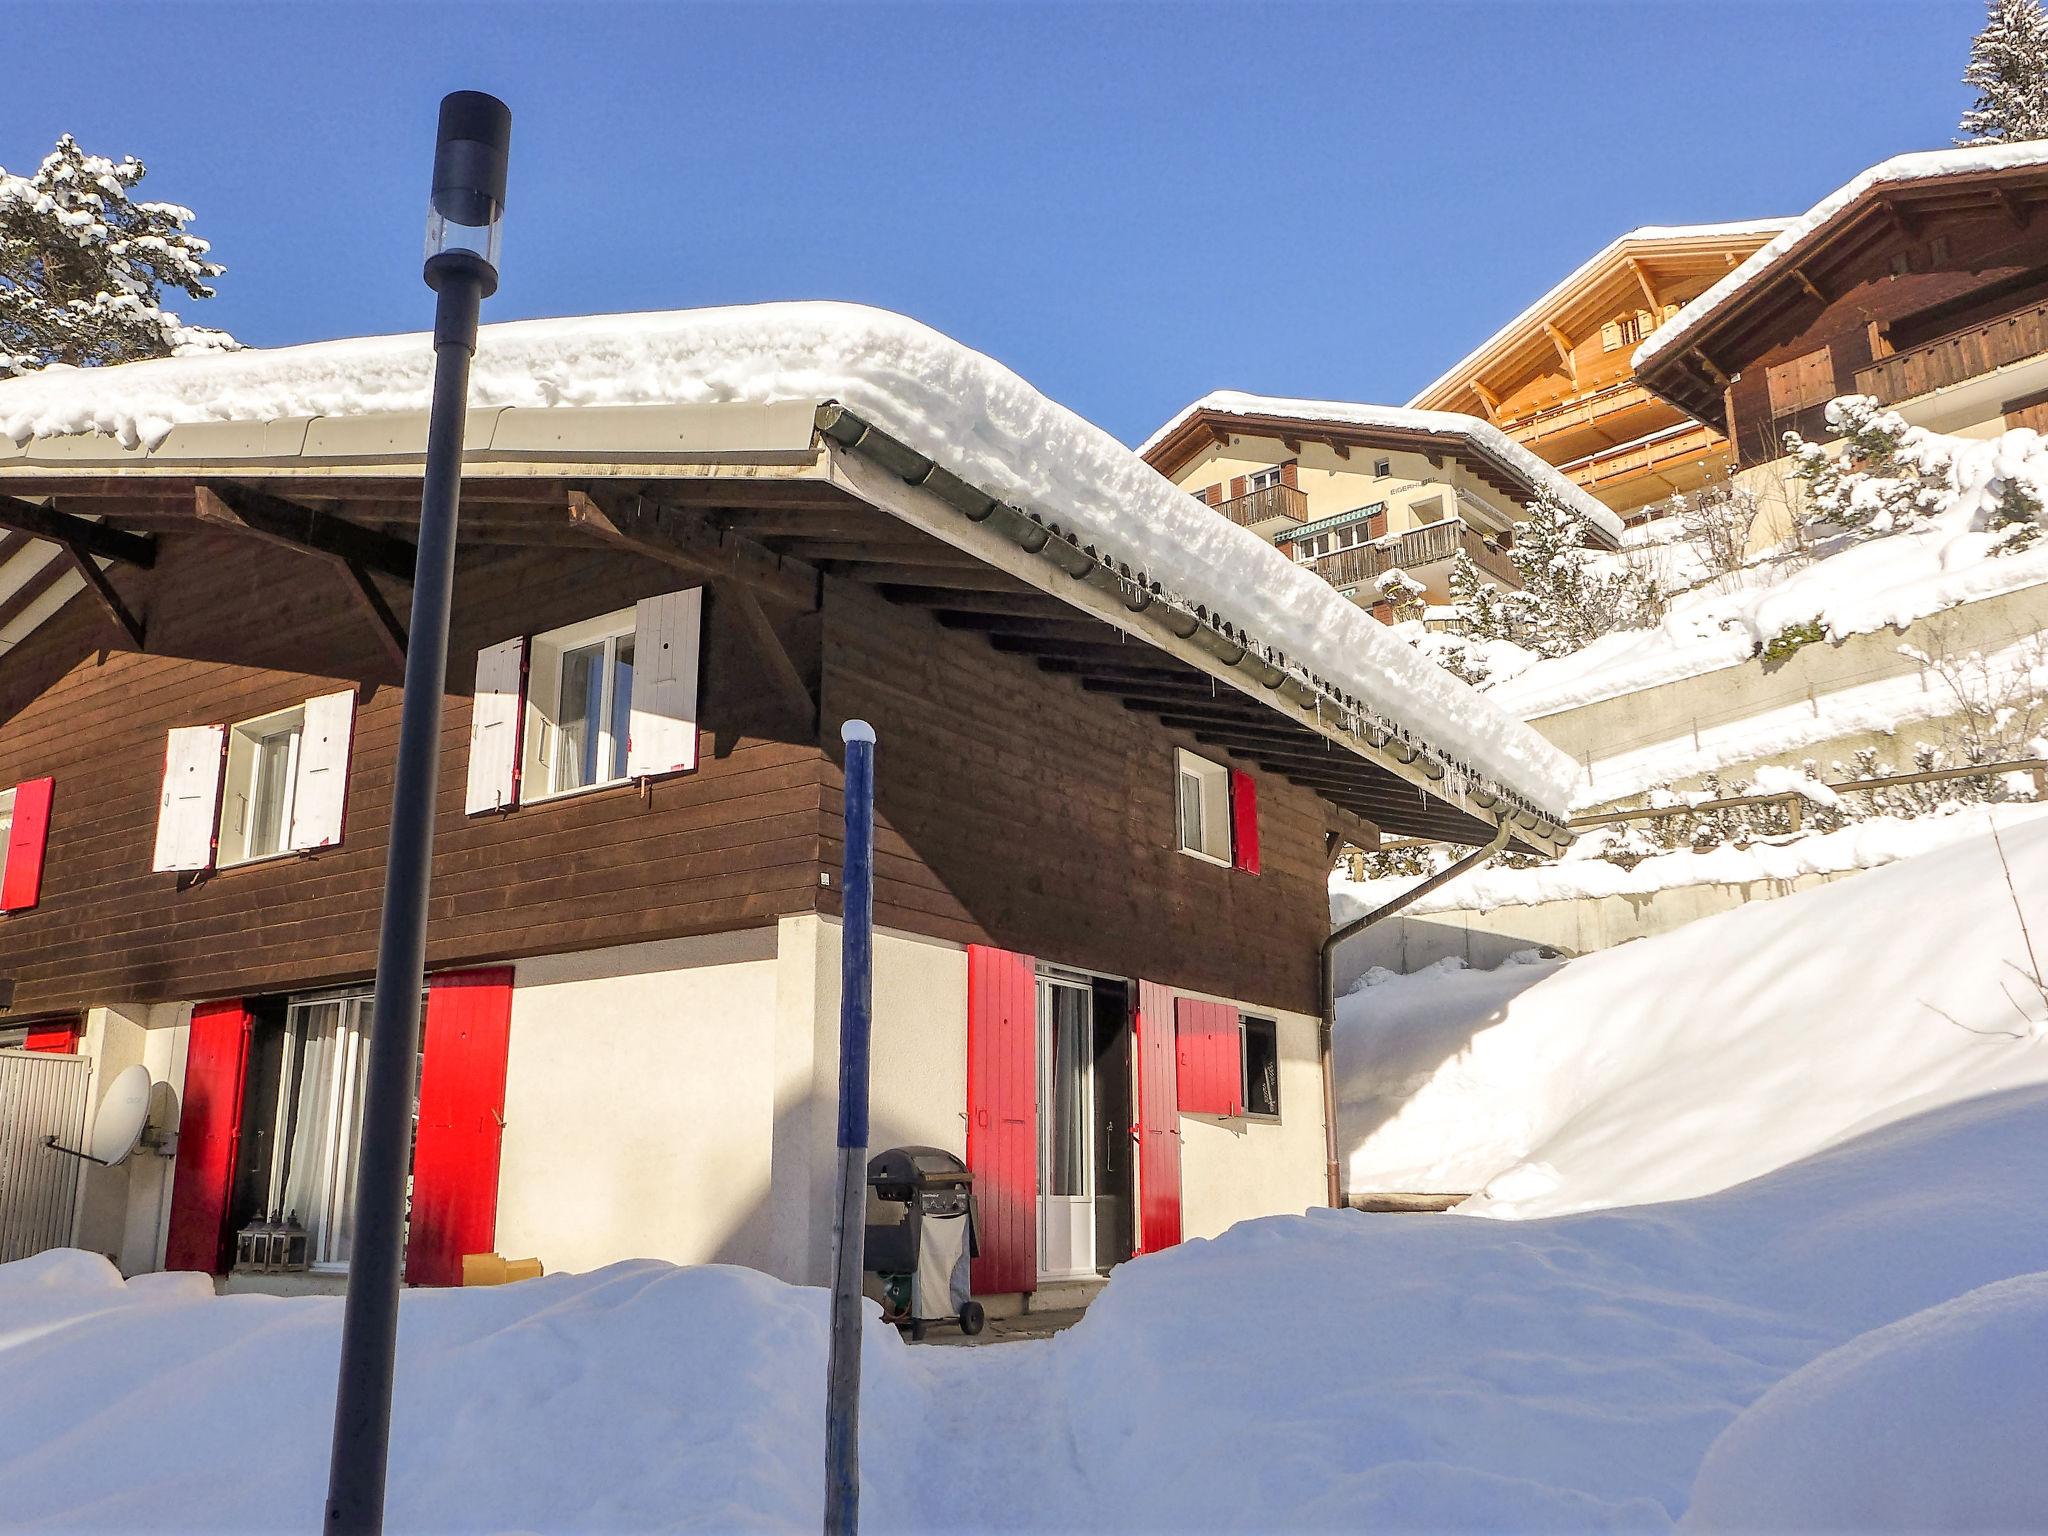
x,y
639,1104
124,1211
1232,1170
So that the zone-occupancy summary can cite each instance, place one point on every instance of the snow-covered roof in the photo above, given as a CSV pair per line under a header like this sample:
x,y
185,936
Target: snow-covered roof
x,y
1483,436
959,407
1647,234
1923,165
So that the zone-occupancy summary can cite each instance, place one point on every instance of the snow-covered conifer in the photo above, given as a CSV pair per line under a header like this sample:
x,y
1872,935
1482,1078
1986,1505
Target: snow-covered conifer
x,y
2009,71
1886,477
83,266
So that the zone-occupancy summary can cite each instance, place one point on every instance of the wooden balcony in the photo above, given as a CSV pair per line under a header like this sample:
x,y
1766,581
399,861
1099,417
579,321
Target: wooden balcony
x,y
1952,359
1268,504
1418,548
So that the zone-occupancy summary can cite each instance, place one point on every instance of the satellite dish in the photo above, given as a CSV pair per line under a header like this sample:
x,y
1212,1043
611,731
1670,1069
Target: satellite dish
x,y
123,1113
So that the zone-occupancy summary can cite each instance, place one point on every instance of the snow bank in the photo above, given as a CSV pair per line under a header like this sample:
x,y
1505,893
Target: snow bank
x,y
1582,873
1920,166
1931,1424
953,404
1877,584
1682,1064
1483,435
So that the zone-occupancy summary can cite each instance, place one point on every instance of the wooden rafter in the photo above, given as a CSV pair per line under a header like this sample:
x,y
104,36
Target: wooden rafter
x,y
277,521
689,542
63,528
2015,210
109,601
1642,277
1812,288
783,671
1563,343
365,594
1486,398
1352,829
25,596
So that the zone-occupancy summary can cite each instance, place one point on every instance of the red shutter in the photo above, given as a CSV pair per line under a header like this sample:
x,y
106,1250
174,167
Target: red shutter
x,y
1384,612
1210,1057
462,1124
1002,1116
1244,822
209,1134
1158,1121
23,881
1213,494
1376,525
1290,474
52,1039
1236,486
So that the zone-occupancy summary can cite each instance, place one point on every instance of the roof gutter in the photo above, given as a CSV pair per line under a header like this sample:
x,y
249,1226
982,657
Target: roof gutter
x,y
1326,965
1314,702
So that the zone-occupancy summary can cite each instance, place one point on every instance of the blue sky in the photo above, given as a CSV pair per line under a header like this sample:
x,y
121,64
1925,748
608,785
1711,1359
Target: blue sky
x,y
1129,205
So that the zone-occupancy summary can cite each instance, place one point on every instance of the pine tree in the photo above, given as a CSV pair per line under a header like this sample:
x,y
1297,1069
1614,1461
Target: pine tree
x,y
83,266
1887,476
2009,71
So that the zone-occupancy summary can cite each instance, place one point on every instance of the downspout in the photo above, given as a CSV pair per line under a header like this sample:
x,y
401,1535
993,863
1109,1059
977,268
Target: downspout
x,y
1327,964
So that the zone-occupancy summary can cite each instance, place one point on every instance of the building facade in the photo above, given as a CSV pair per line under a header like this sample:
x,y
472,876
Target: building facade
x,y
1102,845
1355,492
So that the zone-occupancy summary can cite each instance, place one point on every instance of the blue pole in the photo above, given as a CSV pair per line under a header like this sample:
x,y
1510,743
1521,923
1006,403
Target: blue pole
x,y
849,1226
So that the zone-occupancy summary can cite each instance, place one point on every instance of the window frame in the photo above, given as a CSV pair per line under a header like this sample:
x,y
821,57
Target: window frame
x,y
1383,469
1213,808
1265,479
547,653
1247,1023
244,758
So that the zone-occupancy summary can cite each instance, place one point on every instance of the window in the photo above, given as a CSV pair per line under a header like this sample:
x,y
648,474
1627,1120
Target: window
x,y
1383,468
1803,381
1626,331
1264,479
1204,807
1261,1068
579,705
261,783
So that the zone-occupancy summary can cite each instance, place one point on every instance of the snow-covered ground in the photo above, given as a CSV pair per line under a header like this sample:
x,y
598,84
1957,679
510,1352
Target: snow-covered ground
x,y
1852,1339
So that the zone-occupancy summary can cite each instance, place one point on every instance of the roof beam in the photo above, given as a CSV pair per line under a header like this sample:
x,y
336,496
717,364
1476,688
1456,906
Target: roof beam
x,y
981,578
110,605
277,521
1486,397
30,591
2015,210
1565,354
1812,288
688,542
1352,829
1642,277
1024,605
63,528
783,672
364,593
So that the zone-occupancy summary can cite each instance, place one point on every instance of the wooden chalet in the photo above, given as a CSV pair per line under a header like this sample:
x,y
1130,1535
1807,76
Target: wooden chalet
x,y
1922,282
1106,819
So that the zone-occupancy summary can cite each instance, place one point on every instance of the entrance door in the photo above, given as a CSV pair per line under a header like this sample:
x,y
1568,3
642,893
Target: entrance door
x,y
1066,1125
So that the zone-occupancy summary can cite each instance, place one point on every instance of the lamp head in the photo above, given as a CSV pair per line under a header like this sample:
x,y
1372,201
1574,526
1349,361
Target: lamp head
x,y
465,214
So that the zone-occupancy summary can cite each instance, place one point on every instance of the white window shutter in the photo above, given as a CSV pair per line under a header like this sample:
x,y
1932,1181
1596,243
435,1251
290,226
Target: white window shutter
x,y
494,727
662,736
321,791
191,797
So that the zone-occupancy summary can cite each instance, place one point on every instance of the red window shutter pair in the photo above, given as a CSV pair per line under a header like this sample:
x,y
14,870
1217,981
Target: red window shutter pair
x,y
22,884
1158,1120
1244,822
1210,1046
1002,1116
209,1136
462,1123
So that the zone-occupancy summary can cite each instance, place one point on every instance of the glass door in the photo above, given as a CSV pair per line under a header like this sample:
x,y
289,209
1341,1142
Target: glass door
x,y
1066,1117
319,1111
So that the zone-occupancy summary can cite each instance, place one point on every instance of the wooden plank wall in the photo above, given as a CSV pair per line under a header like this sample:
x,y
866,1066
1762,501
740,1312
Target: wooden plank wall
x,y
1984,247
732,845
1015,809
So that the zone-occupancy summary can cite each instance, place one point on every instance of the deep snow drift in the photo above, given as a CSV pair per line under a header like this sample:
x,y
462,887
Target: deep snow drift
x,y
1332,1371
1681,1064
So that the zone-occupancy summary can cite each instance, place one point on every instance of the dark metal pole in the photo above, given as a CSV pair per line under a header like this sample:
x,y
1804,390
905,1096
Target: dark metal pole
x,y
849,1225
369,1328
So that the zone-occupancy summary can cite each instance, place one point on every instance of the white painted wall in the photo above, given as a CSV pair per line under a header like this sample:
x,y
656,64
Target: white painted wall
x,y
640,1104
1235,1169
124,1212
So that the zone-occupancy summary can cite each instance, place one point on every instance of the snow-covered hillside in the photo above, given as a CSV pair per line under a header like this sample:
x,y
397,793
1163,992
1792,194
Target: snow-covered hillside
x,y
1682,1064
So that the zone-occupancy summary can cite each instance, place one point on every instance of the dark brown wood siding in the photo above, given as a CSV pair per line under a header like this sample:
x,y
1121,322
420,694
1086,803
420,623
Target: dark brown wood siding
x,y
730,845
1963,267
1014,808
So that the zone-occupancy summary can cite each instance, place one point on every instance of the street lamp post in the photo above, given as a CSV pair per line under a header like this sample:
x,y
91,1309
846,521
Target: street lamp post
x,y
462,255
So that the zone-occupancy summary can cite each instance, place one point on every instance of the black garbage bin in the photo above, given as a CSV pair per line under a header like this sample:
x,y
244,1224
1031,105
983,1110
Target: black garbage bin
x,y
920,1236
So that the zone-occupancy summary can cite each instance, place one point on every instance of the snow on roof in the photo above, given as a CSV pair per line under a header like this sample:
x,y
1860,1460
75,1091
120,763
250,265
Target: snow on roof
x,y
1647,234
953,404
1922,165
1482,435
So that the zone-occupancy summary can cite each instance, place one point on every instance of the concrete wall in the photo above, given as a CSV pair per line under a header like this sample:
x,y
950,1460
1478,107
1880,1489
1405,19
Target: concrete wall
x,y
1232,1170
1688,712
124,1211
639,1104
1575,927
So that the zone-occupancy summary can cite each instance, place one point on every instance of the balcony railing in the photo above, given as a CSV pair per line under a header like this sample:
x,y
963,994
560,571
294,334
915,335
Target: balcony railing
x,y
1966,355
1267,504
1431,544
